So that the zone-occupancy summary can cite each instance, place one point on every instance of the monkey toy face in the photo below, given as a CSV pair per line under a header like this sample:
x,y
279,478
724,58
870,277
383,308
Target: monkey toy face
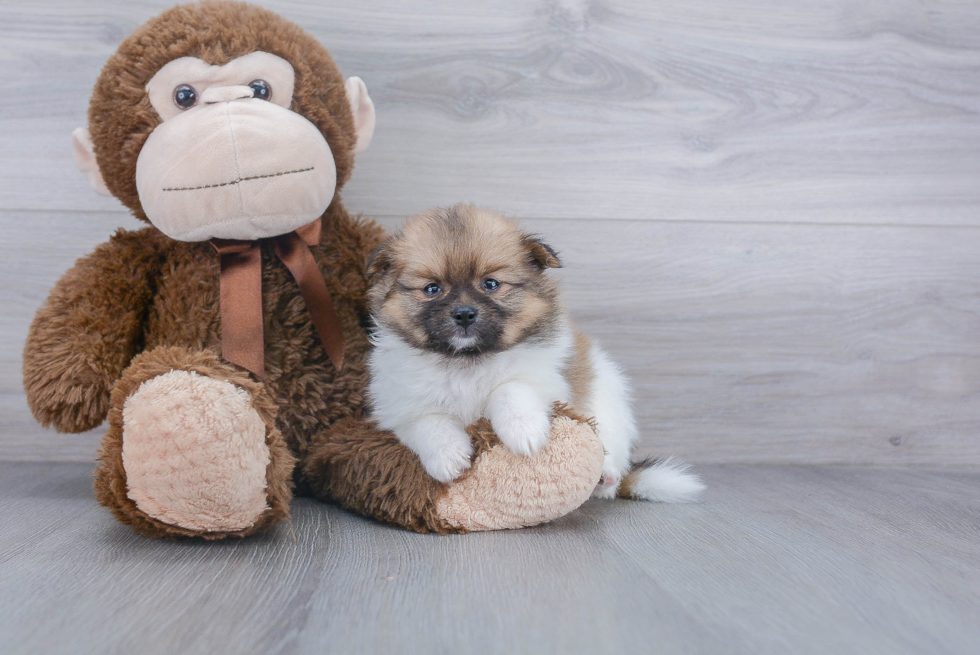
x,y
231,159
223,122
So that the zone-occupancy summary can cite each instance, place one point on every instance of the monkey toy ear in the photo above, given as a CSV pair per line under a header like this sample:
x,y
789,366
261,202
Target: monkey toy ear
x,y
81,145
363,108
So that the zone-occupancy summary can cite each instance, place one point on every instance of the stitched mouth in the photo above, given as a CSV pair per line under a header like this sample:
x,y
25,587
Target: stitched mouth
x,y
238,181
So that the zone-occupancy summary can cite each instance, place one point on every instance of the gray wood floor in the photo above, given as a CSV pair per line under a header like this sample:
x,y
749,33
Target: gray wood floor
x,y
776,560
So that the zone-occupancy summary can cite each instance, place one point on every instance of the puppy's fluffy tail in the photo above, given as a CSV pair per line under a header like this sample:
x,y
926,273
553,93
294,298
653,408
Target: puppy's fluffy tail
x,y
661,480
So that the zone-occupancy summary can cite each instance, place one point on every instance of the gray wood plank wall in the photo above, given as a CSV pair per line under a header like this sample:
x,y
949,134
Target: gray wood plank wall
x,y
769,212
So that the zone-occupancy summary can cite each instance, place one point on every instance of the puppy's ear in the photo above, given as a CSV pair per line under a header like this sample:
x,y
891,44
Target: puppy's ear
x,y
380,261
542,255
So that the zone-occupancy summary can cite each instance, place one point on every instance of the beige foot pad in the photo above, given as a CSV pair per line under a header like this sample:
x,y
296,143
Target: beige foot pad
x,y
195,453
503,490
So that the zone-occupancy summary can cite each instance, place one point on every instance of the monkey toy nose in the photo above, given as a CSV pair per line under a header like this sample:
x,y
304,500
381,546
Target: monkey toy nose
x,y
215,94
464,316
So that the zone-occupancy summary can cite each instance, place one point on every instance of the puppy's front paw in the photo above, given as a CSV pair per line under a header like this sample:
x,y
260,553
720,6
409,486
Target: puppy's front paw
x,y
523,433
448,458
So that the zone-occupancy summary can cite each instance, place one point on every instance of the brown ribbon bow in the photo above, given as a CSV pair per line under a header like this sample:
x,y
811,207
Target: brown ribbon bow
x,y
242,339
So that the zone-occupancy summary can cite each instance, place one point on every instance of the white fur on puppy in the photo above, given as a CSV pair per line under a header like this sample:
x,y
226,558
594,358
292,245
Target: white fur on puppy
x,y
662,480
409,386
468,325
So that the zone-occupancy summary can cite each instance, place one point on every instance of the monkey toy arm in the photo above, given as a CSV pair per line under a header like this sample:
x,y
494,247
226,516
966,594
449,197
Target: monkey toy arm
x,y
87,332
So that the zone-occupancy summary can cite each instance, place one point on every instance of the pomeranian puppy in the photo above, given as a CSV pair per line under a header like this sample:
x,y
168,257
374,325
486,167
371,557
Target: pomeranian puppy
x,y
468,324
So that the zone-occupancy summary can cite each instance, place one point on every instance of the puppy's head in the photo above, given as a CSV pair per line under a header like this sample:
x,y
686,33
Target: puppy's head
x,y
464,281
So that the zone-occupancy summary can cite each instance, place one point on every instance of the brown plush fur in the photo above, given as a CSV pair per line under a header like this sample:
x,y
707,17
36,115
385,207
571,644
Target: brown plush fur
x,y
143,304
145,293
363,469
142,291
89,329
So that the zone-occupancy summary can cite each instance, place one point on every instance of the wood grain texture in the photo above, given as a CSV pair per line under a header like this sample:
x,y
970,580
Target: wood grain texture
x,y
776,560
787,343
851,111
745,342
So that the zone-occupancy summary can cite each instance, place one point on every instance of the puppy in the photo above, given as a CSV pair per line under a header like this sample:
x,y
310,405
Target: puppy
x,y
468,324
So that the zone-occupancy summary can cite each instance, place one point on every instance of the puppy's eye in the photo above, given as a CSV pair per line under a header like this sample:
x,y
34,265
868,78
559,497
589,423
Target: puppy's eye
x,y
185,96
261,89
432,289
490,284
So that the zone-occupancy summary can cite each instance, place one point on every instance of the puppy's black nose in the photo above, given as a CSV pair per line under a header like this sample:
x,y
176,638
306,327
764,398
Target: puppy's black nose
x,y
464,316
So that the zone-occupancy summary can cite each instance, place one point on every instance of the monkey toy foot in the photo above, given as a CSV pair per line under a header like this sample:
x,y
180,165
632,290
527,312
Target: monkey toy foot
x,y
369,471
504,490
192,449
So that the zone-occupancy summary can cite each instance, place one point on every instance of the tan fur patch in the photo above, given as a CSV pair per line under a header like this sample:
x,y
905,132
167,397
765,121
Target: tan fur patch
x,y
580,373
458,248
458,243
532,311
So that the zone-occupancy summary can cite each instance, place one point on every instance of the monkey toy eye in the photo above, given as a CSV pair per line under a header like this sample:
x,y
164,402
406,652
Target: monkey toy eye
x,y
261,89
185,96
490,284
432,289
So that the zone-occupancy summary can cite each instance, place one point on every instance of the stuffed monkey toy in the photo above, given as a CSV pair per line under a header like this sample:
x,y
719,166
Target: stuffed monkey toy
x,y
226,341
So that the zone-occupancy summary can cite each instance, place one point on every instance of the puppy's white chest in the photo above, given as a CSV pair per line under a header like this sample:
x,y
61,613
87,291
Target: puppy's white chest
x,y
406,384
463,391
